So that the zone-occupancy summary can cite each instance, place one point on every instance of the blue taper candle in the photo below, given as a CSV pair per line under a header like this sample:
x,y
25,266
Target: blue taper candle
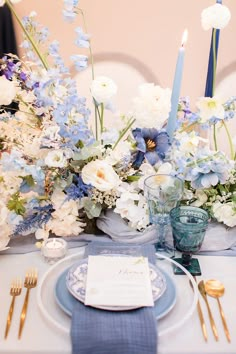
x,y
171,124
209,90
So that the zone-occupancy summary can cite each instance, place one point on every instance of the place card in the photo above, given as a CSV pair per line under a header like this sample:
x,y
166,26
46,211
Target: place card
x,y
118,281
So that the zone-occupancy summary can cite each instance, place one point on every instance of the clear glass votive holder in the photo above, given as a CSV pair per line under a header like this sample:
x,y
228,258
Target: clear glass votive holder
x,y
54,249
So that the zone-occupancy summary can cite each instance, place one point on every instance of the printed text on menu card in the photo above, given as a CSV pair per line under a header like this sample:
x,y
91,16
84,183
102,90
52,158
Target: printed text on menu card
x,y
118,281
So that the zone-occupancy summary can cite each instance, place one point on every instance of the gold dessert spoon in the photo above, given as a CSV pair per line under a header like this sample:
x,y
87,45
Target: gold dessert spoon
x,y
216,289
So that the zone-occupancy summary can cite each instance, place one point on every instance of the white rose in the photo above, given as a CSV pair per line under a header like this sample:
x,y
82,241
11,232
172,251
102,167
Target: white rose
x,y
55,158
101,175
225,213
216,16
7,91
102,89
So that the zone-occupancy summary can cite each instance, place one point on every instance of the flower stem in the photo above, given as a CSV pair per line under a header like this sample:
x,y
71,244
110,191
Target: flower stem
x,y
102,118
232,153
214,137
92,68
124,131
30,39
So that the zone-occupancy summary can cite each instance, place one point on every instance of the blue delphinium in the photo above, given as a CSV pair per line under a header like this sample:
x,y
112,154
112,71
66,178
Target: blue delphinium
x,y
152,144
36,219
78,189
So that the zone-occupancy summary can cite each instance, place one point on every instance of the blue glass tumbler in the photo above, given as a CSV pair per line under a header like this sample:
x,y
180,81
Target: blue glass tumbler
x,y
189,226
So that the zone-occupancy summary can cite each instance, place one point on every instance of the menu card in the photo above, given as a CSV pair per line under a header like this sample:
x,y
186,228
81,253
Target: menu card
x,y
118,281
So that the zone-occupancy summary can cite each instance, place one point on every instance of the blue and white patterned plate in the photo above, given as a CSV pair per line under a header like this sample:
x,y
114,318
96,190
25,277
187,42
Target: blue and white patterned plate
x,y
76,283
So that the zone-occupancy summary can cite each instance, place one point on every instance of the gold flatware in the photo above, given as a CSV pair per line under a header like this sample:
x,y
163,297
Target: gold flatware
x,y
30,282
200,315
216,289
201,287
15,290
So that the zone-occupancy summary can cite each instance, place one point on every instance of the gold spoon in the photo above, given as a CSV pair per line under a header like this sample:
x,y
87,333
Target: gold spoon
x,y
202,290
216,289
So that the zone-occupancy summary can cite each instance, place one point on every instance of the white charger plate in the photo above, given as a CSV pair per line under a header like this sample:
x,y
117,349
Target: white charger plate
x,y
77,276
186,298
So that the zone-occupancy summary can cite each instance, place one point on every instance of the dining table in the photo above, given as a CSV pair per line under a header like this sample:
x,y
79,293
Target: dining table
x,y
47,326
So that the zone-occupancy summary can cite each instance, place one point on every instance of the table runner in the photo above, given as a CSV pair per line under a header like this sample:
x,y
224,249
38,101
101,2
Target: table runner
x,y
110,332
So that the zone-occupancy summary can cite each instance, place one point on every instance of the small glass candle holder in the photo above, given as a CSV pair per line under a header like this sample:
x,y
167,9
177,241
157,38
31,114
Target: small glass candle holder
x,y
54,249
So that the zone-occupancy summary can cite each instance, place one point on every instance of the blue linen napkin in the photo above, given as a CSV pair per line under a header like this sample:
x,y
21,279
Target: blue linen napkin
x,y
105,332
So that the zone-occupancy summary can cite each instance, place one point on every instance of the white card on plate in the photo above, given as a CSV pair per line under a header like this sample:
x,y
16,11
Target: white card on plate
x,y
118,281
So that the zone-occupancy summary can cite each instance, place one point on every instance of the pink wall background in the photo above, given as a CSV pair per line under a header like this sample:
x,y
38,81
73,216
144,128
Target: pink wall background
x,y
147,33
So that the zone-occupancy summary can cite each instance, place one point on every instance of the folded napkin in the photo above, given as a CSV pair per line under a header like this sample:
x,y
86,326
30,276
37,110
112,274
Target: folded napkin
x,y
105,332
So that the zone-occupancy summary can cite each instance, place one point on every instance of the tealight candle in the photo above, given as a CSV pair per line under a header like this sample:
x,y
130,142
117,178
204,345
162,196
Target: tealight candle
x,y
54,249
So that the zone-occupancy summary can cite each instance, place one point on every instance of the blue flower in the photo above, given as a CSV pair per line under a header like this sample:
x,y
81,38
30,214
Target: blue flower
x,y
78,189
151,144
82,40
80,61
208,174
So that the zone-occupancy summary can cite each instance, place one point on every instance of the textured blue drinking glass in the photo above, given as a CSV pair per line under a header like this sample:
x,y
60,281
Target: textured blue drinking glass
x,y
163,192
189,226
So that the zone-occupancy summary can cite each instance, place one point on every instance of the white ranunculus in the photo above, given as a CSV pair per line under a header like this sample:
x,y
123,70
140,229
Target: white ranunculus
x,y
210,107
215,16
151,108
55,158
102,89
7,91
225,213
100,175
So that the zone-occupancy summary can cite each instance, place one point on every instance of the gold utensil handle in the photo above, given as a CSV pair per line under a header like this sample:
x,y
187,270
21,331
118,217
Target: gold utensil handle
x,y
203,325
224,321
200,315
9,316
23,313
213,326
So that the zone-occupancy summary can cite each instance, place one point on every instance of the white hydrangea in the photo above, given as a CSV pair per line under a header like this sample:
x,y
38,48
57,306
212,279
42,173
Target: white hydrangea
x,y
225,213
151,108
215,16
133,207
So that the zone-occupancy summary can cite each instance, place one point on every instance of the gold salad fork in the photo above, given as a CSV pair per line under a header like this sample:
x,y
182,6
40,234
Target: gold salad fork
x,y
30,282
15,290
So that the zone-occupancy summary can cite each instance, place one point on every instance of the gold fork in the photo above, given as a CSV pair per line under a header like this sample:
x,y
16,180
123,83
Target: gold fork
x,y
15,290
30,282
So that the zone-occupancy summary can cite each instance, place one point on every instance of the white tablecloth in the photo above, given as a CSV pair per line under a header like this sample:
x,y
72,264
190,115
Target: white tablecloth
x,y
41,337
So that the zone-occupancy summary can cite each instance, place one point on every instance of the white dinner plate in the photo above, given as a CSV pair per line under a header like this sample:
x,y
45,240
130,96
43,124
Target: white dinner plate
x,y
77,277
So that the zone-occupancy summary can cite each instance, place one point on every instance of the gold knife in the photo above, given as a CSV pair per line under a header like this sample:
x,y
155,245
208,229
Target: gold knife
x,y
200,315
201,287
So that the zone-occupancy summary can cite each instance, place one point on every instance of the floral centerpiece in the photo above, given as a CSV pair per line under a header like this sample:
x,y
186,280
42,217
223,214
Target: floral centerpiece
x,y
56,175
